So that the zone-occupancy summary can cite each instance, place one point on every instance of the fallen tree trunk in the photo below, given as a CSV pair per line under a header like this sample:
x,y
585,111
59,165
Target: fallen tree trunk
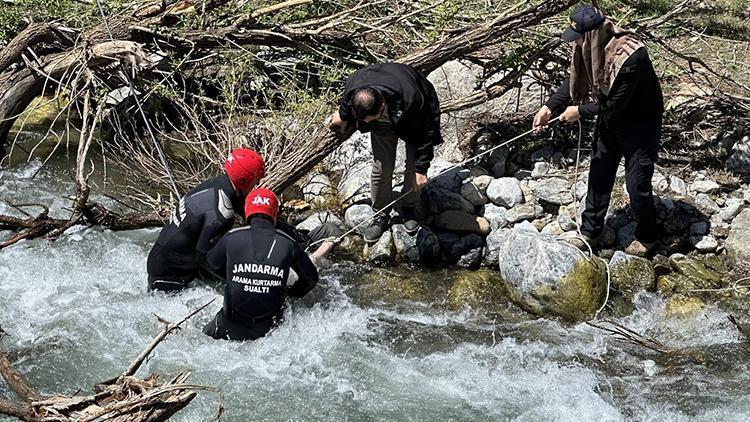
x,y
426,60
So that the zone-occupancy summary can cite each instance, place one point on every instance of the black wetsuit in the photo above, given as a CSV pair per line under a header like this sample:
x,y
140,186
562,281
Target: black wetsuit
x,y
255,261
203,215
628,125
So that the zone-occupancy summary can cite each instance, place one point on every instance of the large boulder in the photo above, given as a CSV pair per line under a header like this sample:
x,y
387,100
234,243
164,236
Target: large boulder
x,y
354,187
460,221
738,242
631,274
505,191
553,190
358,214
549,277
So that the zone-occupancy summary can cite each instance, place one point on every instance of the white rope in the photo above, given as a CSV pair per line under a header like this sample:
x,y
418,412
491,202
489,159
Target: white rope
x,y
404,194
159,151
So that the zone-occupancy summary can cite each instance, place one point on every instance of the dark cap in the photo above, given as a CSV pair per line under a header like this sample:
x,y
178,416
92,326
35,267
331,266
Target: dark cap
x,y
583,19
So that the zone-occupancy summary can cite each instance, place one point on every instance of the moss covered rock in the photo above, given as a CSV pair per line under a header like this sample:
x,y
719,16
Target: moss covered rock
x,y
630,274
680,306
476,289
689,274
548,277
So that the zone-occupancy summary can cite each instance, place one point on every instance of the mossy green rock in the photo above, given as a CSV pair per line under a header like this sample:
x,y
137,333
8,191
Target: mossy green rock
x,y
679,306
548,277
631,274
689,274
476,289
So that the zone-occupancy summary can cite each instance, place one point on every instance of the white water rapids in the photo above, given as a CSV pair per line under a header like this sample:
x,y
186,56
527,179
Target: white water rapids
x,y
78,313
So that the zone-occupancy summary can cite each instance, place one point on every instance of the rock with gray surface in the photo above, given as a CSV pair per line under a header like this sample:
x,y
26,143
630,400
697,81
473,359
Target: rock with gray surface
x,y
495,215
406,245
705,204
358,214
549,277
739,157
553,190
492,246
318,219
705,186
522,212
738,241
505,191
732,208
382,251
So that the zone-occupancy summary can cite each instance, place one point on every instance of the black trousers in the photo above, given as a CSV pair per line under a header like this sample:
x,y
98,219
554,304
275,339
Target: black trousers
x,y
639,145
223,328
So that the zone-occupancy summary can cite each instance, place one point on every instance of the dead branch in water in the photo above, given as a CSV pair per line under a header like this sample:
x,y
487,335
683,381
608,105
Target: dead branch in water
x,y
623,333
125,398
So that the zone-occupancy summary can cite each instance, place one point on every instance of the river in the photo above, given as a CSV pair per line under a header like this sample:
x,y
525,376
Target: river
x,y
366,345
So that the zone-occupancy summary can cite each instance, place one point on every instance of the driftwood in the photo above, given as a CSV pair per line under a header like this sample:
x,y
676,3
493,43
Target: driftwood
x,y
125,398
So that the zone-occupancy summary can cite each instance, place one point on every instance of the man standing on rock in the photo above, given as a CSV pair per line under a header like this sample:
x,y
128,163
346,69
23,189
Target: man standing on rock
x,y
203,215
255,261
612,66
393,101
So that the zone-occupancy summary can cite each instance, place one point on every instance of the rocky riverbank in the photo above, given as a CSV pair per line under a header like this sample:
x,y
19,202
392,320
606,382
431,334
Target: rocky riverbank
x,y
513,215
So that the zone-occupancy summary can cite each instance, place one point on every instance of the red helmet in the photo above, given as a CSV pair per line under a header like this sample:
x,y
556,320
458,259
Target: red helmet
x,y
262,201
245,168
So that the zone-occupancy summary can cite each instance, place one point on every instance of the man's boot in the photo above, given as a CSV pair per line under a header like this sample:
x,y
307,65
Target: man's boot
x,y
376,229
410,220
641,249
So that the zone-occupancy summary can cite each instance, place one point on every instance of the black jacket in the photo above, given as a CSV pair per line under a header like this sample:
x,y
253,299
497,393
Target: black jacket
x,y
203,215
413,106
255,262
634,100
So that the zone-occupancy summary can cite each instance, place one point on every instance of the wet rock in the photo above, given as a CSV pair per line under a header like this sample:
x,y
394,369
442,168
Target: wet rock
x,y
554,190
689,274
540,170
358,214
683,307
630,274
704,243
520,213
406,245
495,215
739,157
493,242
382,252
548,277
738,241
705,204
505,191
460,221
318,219
443,200
475,190
731,209
497,161
678,185
475,289
705,186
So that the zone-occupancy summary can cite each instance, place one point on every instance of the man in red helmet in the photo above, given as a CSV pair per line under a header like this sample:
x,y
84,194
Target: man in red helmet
x,y
255,261
202,216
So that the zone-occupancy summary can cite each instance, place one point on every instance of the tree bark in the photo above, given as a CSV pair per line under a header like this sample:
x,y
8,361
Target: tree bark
x,y
17,382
